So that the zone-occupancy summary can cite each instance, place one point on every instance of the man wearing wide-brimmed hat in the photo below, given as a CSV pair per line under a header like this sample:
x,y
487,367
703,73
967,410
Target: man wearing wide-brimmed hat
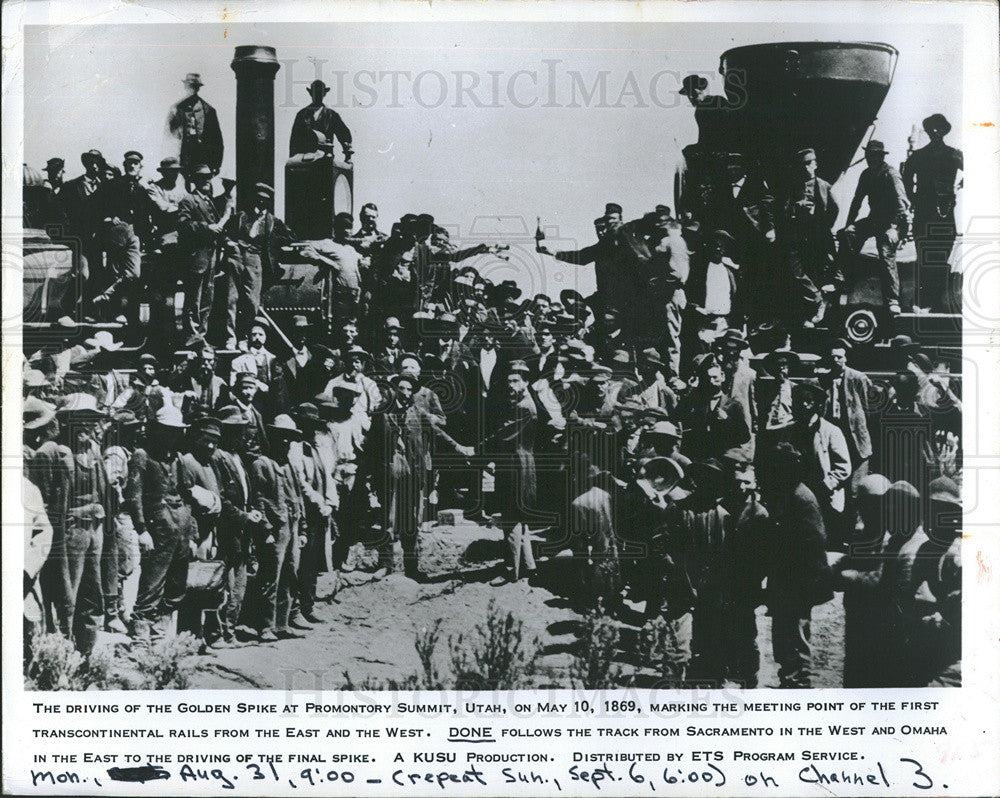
x,y
931,178
280,535
356,361
196,124
826,460
162,513
886,220
316,126
77,553
238,519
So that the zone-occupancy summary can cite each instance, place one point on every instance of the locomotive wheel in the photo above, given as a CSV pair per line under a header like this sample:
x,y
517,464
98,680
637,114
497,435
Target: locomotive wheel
x,y
861,326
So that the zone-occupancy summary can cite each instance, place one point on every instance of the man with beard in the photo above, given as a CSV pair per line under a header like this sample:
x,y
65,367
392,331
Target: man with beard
x,y
743,569
238,518
310,474
83,218
280,536
200,386
196,124
798,574
368,237
260,362
253,247
127,225
299,373
154,497
616,271
387,357
805,225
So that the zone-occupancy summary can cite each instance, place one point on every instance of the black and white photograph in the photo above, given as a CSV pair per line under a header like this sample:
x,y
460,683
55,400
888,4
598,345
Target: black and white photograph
x,y
501,398
522,355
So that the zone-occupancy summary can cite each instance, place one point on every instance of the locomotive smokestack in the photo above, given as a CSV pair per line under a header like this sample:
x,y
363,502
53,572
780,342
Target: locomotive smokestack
x,y
255,67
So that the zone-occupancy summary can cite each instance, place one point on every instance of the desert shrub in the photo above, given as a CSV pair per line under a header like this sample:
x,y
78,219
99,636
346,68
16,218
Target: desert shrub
x,y
495,655
426,642
168,663
54,664
593,665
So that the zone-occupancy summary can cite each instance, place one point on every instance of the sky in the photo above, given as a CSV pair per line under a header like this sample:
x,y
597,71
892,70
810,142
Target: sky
x,y
483,166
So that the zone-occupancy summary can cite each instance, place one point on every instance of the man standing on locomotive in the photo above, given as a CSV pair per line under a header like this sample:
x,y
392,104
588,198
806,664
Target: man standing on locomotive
x,y
886,220
929,178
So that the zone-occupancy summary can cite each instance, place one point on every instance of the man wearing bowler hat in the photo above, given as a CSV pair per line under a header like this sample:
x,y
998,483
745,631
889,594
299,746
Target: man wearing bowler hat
x,y
886,221
711,112
930,176
53,211
316,126
196,124
83,217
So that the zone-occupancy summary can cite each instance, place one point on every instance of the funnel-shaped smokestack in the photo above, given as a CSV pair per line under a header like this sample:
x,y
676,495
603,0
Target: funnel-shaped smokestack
x,y
793,95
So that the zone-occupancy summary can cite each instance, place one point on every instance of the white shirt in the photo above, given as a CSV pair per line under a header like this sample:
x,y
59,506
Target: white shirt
x,y
718,299
347,274
487,362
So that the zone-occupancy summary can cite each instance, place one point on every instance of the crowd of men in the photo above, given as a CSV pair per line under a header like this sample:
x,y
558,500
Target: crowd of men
x,y
693,462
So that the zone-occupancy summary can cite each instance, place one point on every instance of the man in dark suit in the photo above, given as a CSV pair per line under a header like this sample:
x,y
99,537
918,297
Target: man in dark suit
x,y
238,518
199,228
316,126
83,217
196,124
805,219
713,422
743,206
929,177
798,574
